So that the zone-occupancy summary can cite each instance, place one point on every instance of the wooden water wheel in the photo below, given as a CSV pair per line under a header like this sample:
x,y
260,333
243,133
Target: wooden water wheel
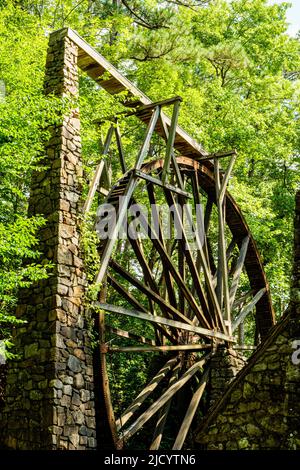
x,y
183,282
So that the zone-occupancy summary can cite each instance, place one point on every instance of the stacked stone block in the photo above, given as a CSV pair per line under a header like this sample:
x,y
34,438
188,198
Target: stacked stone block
x,y
49,397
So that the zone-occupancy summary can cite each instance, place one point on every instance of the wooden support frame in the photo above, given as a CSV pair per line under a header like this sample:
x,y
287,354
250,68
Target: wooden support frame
x,y
163,321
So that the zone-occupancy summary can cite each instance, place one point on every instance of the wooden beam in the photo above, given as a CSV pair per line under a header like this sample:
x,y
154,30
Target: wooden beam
x,y
97,175
246,310
129,335
163,414
170,143
163,321
144,394
222,273
226,177
145,349
149,292
158,182
120,149
238,270
146,144
211,156
158,404
189,416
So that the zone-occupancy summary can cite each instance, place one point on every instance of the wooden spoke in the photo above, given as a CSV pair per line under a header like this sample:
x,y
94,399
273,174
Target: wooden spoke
x,y
187,421
163,321
141,339
158,404
130,335
222,273
135,405
167,277
238,270
204,317
97,175
163,414
150,293
167,260
124,292
244,312
170,142
120,149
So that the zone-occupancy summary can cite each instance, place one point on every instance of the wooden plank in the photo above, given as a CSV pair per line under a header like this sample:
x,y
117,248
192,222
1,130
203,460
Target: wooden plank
x,y
189,416
129,335
145,349
166,258
97,175
246,310
238,270
163,321
158,182
125,293
158,404
144,394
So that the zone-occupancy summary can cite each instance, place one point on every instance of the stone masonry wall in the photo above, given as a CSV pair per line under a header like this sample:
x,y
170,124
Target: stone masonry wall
x,y
261,407
225,364
49,398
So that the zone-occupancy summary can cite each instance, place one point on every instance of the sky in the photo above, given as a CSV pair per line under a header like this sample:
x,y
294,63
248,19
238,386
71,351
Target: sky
x,y
293,15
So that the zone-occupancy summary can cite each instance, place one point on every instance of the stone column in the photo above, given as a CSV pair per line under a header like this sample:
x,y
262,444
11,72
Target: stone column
x,y
49,399
225,364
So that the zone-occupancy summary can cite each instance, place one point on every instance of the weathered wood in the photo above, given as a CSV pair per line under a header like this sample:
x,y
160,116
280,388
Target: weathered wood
x,y
222,273
149,292
144,394
189,416
125,292
164,321
204,317
166,272
158,404
97,175
166,258
174,160
108,248
146,144
163,414
211,156
170,142
238,270
145,349
244,312
226,177
120,149
129,335
158,182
